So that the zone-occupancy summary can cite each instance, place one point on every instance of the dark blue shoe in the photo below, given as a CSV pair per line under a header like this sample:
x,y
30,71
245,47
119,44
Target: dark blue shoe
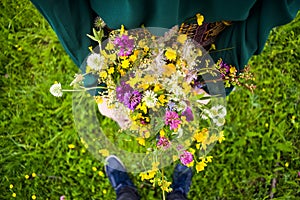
x,y
182,179
116,173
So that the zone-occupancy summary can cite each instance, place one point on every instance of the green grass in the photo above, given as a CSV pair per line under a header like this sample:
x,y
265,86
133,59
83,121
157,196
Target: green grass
x,y
262,133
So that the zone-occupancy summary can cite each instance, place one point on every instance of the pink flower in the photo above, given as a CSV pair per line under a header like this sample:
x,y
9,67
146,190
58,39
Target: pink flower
x,y
298,174
172,119
164,143
62,198
186,157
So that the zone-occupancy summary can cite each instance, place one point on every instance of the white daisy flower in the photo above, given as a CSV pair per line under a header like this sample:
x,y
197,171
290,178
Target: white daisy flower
x,y
150,98
56,90
95,61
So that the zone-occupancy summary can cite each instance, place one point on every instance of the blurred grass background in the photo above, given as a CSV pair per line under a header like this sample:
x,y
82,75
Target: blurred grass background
x,y
260,158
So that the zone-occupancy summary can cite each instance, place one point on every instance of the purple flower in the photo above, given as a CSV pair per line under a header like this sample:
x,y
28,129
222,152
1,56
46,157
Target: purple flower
x,y
188,113
172,119
125,44
186,157
224,68
132,99
122,90
171,106
163,142
298,174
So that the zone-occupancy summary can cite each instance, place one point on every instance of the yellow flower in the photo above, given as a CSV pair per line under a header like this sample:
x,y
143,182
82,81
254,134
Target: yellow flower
x,y
232,70
146,49
33,197
71,146
125,64
286,164
165,186
144,86
169,69
14,195
98,99
94,169
162,99
191,164
100,173
104,152
147,175
111,70
122,30
182,38
200,166
221,137
141,141
104,191
175,158
142,107
33,174
200,19
11,186
170,54
157,88
133,57
198,146
209,158
26,176
162,133
201,136
103,74
192,151
122,72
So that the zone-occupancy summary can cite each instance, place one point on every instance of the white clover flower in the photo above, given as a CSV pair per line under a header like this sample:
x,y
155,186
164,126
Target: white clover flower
x,y
222,111
150,98
95,61
56,90
214,112
219,121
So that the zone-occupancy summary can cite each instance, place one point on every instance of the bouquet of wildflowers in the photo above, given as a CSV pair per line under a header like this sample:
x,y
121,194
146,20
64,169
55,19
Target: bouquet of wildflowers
x,y
156,89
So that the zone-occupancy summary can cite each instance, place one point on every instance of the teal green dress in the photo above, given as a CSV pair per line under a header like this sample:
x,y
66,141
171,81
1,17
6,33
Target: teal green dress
x,y
252,21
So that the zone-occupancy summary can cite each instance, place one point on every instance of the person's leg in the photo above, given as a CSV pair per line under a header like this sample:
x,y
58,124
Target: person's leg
x,y
119,179
182,178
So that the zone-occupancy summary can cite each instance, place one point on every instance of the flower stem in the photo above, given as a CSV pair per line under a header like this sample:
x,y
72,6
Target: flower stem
x,y
72,90
163,192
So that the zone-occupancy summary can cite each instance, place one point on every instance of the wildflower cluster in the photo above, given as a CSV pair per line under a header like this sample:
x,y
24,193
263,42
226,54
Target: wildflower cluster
x,y
154,82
